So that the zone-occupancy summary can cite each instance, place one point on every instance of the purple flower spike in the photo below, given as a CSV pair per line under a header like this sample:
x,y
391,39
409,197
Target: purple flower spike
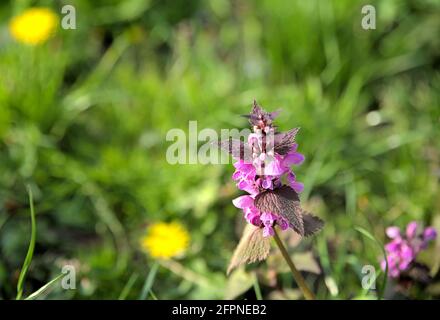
x,y
262,162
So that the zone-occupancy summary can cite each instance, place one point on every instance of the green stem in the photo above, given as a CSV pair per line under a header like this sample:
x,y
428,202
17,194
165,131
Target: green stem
x,y
30,252
126,290
308,294
257,288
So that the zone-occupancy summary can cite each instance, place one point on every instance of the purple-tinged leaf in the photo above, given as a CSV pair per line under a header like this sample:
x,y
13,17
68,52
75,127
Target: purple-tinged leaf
x,y
283,201
312,224
418,272
284,141
259,117
238,149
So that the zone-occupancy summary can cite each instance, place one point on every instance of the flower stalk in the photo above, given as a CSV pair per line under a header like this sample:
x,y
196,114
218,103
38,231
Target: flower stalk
x,y
308,294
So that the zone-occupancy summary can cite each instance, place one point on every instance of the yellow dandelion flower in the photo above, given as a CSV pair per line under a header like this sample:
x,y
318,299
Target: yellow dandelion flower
x,y
34,26
165,240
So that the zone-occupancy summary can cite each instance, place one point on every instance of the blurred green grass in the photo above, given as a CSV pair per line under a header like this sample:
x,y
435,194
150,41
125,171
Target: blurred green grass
x,y
83,120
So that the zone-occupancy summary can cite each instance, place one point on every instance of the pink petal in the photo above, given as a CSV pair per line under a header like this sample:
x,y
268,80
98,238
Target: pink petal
x,y
429,234
237,175
284,225
297,186
268,232
393,232
268,218
243,202
411,230
274,167
254,218
293,158
267,183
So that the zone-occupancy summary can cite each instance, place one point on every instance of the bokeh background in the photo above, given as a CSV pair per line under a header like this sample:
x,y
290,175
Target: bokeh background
x,y
83,120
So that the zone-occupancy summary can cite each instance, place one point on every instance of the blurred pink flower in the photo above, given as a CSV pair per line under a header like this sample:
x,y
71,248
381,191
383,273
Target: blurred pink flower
x,y
403,249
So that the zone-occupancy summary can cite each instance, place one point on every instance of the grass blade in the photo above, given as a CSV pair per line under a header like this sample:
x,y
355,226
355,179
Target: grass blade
x,y
149,281
153,295
372,238
44,288
31,248
128,286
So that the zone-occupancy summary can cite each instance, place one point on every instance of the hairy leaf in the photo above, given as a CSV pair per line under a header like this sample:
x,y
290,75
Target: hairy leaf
x,y
258,115
251,248
238,283
418,273
238,149
285,202
284,141
312,224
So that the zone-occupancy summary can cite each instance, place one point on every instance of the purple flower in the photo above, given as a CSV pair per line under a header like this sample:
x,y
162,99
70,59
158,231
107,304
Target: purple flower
x,y
267,182
268,231
295,185
293,157
283,223
274,166
253,217
403,249
268,219
429,234
393,232
268,165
